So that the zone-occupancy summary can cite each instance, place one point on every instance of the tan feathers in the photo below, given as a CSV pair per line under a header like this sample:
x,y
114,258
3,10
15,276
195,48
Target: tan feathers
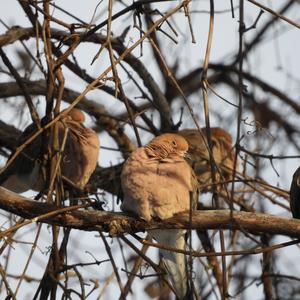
x,y
156,179
78,161
199,156
157,182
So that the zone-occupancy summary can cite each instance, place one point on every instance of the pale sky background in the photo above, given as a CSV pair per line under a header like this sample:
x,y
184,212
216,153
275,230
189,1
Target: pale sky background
x,y
277,62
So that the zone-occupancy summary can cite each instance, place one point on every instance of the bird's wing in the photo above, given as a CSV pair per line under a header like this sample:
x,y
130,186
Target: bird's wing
x,y
81,153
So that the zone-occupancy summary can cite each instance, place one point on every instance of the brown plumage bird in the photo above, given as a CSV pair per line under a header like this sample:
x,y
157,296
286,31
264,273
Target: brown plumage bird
x,y
79,157
157,182
295,195
199,155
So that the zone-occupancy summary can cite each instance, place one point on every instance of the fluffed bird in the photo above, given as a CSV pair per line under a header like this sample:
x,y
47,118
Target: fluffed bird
x,y
157,182
199,155
78,161
295,195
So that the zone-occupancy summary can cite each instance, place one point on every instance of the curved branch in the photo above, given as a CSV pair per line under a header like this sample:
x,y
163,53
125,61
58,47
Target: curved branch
x,y
119,223
159,99
39,87
190,83
104,120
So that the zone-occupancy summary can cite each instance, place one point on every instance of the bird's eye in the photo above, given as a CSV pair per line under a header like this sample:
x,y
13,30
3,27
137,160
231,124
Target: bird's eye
x,y
173,142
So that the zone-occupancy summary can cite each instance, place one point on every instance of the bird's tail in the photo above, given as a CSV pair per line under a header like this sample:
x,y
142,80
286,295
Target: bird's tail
x,y
174,262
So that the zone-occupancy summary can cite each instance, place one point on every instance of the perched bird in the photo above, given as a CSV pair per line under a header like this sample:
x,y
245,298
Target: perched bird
x,y
295,195
199,155
157,182
78,161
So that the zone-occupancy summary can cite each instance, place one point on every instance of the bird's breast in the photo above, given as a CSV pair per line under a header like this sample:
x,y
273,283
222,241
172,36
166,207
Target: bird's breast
x,y
155,189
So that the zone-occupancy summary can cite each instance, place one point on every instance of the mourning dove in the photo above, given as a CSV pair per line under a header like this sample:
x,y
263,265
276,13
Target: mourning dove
x,y
199,155
78,161
295,195
157,182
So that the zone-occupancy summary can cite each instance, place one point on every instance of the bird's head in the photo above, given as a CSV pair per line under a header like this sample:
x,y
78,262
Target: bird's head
x,y
76,115
168,144
222,135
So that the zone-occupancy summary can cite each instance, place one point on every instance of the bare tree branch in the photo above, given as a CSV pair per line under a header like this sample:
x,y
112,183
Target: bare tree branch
x,y
118,223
